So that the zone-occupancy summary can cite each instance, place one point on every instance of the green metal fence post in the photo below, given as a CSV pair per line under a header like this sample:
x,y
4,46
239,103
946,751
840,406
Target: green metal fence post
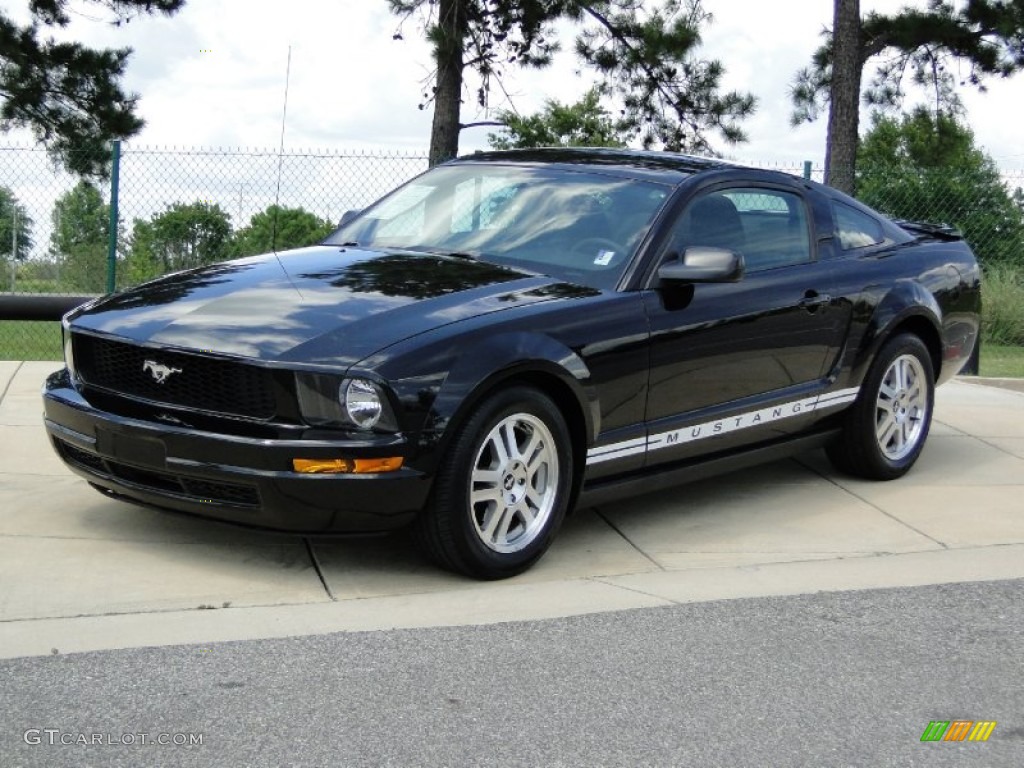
x,y
807,169
115,168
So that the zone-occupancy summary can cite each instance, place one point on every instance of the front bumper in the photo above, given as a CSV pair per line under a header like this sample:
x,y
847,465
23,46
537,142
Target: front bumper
x,y
234,479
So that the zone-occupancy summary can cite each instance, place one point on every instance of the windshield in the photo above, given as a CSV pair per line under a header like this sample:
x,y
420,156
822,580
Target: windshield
x,y
574,225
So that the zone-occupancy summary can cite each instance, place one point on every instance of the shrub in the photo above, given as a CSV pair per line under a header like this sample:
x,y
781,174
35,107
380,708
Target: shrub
x,y
1002,296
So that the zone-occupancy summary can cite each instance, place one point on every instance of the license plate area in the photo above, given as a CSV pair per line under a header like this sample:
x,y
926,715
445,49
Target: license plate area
x,y
141,451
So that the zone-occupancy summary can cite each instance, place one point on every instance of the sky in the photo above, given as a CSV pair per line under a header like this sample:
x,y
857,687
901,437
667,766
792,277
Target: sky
x,y
213,75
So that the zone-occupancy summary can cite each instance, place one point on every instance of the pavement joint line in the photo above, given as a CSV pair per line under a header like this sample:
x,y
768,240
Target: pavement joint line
x,y
959,432
156,612
838,556
34,474
985,440
878,508
595,579
316,567
610,524
1005,383
634,590
10,381
187,542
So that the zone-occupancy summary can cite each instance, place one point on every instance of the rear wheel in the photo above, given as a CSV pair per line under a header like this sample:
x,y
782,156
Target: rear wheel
x,y
502,491
887,426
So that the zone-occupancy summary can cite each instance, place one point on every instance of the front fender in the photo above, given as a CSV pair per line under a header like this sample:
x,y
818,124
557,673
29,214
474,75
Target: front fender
x,y
439,381
483,365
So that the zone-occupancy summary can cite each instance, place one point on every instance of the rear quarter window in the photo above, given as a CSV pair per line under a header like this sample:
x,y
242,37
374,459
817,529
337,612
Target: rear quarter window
x,y
856,229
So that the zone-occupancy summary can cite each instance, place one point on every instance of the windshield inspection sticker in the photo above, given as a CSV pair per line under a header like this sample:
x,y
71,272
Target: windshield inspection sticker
x,y
604,258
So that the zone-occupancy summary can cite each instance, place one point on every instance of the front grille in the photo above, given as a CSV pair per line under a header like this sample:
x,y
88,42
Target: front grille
x,y
190,488
197,382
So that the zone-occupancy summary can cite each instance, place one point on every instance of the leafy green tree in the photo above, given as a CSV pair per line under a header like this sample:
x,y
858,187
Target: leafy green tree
x,y
645,57
79,238
181,237
583,124
983,37
140,262
15,227
926,167
69,95
278,228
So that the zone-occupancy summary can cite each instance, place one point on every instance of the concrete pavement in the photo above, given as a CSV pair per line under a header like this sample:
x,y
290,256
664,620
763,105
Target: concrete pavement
x,y
81,572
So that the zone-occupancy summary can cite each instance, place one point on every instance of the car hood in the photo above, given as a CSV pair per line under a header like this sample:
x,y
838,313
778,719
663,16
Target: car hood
x,y
326,303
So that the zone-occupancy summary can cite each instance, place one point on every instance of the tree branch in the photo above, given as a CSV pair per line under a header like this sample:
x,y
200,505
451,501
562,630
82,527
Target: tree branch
x,y
480,123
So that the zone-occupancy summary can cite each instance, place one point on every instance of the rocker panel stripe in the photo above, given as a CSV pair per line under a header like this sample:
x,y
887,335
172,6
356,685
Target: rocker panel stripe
x,y
720,426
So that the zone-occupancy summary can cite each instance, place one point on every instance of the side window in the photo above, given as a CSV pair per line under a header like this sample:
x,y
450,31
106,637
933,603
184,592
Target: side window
x,y
856,229
767,226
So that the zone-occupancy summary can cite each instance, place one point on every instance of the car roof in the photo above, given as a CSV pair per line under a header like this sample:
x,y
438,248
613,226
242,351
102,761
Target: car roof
x,y
667,167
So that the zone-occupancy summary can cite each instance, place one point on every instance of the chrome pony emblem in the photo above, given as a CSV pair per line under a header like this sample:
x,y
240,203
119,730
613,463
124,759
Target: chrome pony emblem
x,y
159,371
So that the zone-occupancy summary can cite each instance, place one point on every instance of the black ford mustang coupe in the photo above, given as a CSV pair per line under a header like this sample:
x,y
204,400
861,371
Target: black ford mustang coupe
x,y
510,335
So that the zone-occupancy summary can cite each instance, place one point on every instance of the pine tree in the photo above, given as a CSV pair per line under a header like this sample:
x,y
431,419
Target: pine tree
x,y
67,94
583,124
645,58
984,36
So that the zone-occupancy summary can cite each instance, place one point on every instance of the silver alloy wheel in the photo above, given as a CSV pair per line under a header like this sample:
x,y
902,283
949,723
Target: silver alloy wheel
x,y
514,483
901,409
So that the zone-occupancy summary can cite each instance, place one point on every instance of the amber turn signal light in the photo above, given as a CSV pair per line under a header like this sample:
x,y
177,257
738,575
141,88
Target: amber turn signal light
x,y
347,466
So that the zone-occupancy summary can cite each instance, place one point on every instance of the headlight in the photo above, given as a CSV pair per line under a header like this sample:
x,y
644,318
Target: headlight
x,y
355,402
362,402
69,352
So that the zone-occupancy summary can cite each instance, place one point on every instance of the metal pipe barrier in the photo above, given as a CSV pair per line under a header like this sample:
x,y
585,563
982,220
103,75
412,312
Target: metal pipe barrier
x,y
38,306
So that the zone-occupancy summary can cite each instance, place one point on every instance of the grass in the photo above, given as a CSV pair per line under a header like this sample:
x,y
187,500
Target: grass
x,y
38,285
1002,304
1002,361
30,340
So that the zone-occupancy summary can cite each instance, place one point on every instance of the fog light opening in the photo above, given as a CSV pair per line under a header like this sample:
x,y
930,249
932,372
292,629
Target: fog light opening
x,y
347,466
369,466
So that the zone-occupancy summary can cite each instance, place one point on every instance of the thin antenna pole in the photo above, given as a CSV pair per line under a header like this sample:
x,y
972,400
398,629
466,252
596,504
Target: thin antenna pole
x,y
280,154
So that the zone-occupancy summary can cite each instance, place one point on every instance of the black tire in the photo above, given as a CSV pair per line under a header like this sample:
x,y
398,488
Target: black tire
x,y
476,490
886,429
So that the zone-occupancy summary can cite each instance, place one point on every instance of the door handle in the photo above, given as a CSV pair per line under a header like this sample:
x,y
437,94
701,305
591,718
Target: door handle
x,y
812,300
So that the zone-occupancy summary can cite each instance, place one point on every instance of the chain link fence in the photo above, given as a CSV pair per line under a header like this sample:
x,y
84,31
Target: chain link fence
x,y
180,207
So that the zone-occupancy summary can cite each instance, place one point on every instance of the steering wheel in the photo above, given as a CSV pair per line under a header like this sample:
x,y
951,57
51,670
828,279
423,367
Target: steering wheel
x,y
595,250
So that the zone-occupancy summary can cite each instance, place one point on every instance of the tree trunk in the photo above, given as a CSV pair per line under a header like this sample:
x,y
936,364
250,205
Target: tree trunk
x,y
449,36
844,102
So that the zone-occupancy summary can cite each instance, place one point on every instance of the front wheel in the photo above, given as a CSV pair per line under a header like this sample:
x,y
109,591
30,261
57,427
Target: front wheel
x,y
887,426
502,490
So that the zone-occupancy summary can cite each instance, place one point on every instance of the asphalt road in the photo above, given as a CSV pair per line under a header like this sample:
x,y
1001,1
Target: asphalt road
x,y
835,679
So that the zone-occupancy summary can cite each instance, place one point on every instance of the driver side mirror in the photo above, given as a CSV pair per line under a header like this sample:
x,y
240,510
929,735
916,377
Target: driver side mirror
x,y
701,264
347,216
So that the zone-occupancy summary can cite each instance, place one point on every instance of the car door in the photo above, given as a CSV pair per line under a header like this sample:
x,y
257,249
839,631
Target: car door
x,y
739,362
